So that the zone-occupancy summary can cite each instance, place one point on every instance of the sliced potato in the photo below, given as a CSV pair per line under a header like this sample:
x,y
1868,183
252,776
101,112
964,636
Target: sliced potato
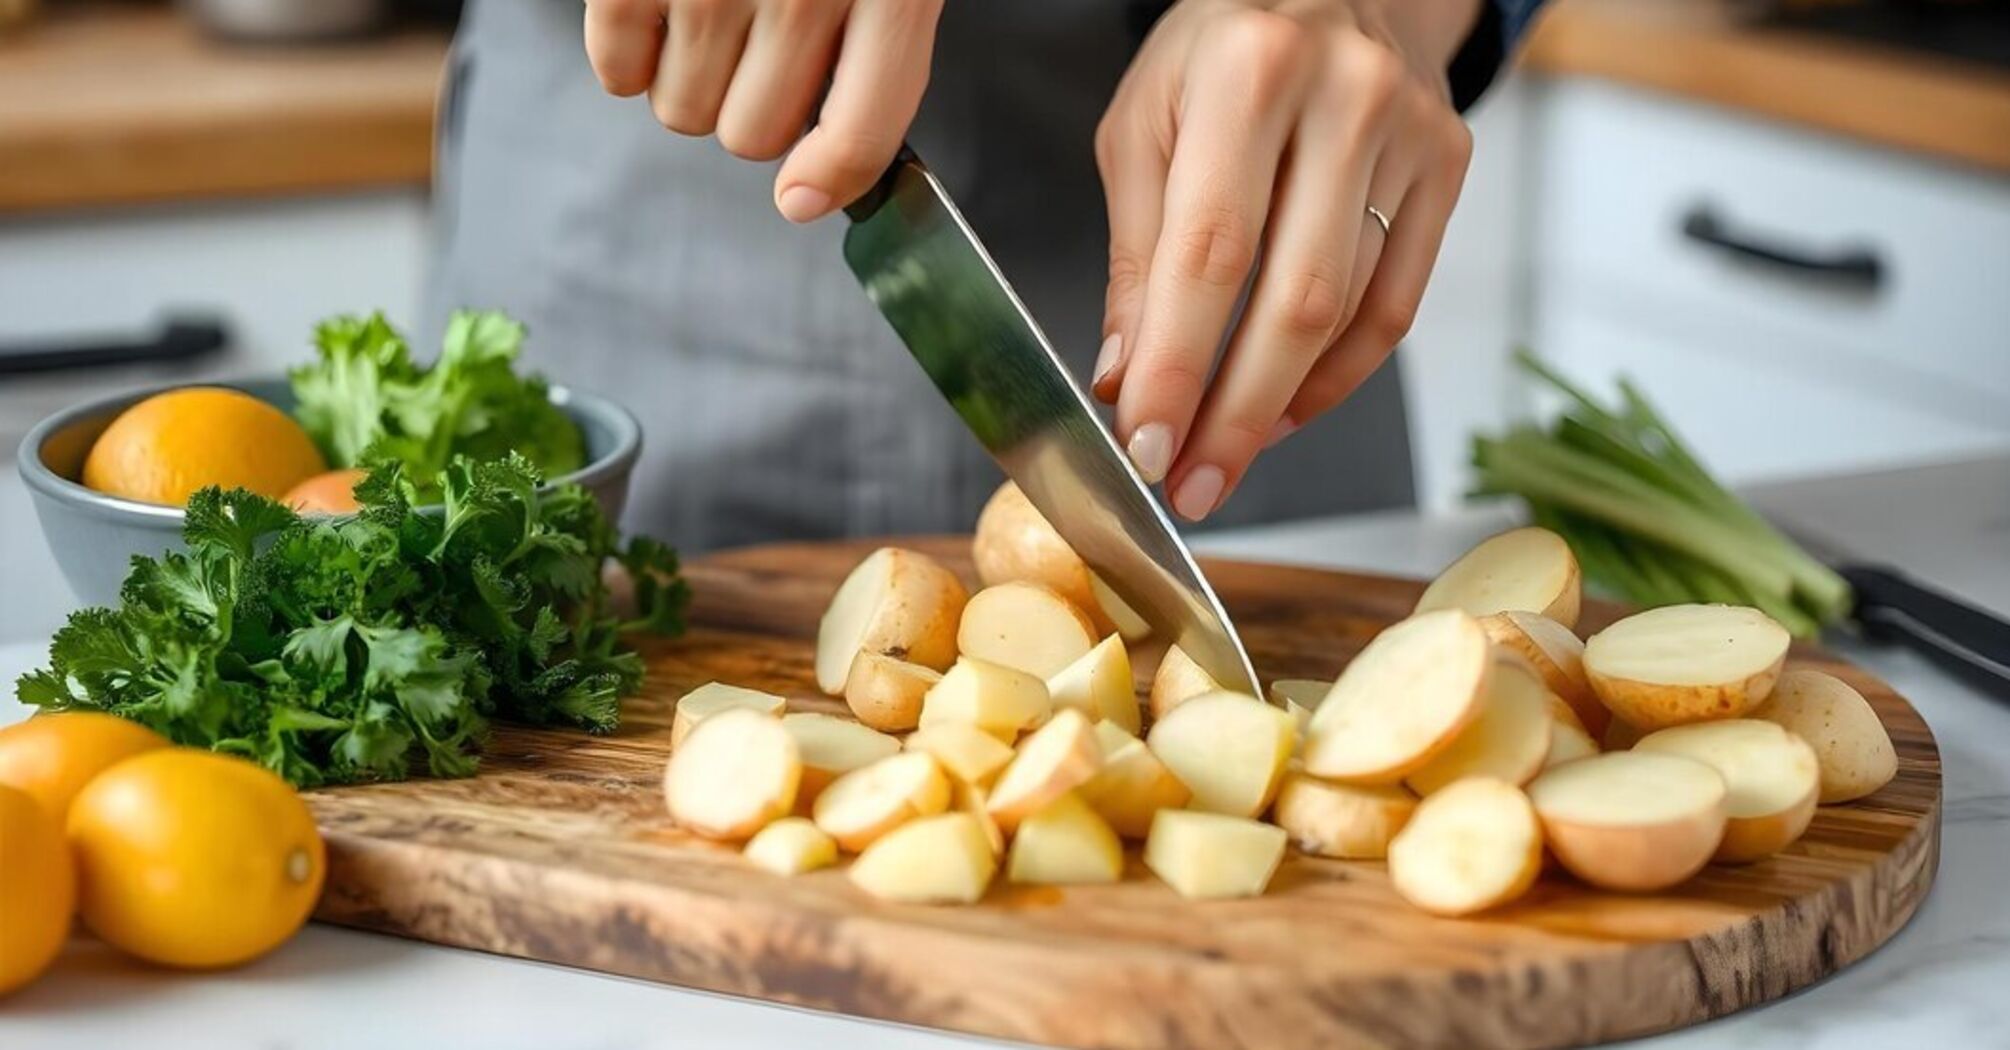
x,y
1015,543
1850,742
1099,685
1771,781
1209,856
831,747
1341,820
1126,619
992,697
886,693
1508,741
1057,758
1178,680
1521,570
791,846
1631,820
737,771
1025,626
943,859
1228,749
969,754
1685,663
868,802
1472,846
901,603
1132,785
1557,655
1065,843
1568,742
1403,700
713,697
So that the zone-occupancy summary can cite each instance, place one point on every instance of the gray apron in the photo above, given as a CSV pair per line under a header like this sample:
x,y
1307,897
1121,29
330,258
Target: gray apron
x,y
776,403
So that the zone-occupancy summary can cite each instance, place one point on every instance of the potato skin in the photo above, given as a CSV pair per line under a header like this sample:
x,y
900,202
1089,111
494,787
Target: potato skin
x,y
1850,742
1655,705
1015,543
1635,859
886,693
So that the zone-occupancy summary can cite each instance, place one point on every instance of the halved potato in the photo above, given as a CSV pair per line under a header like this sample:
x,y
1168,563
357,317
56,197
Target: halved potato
x,y
791,846
1685,663
1133,785
1771,781
737,771
1126,619
1557,655
1057,758
1341,820
1065,843
1209,856
1568,742
868,802
713,697
1099,685
943,859
1228,749
1850,742
886,693
1025,626
1508,741
901,603
969,754
1403,699
1015,543
1178,680
831,747
1526,570
1631,820
1472,846
992,697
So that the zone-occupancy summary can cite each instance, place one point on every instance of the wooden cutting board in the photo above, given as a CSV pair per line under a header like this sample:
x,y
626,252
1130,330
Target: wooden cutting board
x,y
560,851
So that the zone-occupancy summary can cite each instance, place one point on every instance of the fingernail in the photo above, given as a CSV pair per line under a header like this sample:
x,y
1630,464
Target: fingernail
x,y
1284,429
1151,449
1107,358
1198,494
804,203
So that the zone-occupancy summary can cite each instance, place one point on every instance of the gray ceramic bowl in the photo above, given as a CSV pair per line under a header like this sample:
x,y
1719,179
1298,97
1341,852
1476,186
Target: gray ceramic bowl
x,y
94,536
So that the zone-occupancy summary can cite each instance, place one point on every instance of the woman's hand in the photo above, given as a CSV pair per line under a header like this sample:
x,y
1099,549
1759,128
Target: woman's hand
x,y
750,72
1269,128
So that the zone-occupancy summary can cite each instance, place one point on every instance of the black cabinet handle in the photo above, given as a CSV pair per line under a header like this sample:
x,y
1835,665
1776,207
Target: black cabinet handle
x,y
1965,641
1852,266
178,339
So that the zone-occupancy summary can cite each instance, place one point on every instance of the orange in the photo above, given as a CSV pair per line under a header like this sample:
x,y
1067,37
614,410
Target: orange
x,y
330,493
165,448
38,889
190,858
52,757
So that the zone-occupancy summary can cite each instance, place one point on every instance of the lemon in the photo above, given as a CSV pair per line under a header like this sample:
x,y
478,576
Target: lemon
x,y
165,448
38,889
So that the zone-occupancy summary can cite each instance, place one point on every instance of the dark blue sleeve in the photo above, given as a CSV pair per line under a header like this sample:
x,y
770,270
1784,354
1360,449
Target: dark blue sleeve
x,y
1500,25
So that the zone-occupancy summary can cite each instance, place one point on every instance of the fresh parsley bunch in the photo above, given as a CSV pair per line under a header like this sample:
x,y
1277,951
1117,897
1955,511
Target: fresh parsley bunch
x,y
335,650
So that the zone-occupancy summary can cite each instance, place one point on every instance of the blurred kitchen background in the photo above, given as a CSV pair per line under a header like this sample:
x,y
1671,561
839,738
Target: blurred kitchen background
x,y
1789,220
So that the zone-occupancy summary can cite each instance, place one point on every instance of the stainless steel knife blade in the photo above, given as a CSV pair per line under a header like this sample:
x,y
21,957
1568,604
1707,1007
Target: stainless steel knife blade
x,y
920,263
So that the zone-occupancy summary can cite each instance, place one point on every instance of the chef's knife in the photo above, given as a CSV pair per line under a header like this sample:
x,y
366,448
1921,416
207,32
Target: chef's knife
x,y
928,273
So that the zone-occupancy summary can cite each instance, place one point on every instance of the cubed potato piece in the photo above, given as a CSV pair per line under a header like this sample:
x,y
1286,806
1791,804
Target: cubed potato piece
x,y
1850,742
713,697
1521,570
1126,619
1014,543
866,803
1099,685
1025,626
1228,749
969,798
1341,820
1065,843
1133,785
1057,758
886,693
1300,697
1209,856
1508,741
943,859
1405,698
791,846
831,747
1633,821
969,754
1178,680
737,771
1557,655
898,603
1472,846
992,697
1685,663
1771,781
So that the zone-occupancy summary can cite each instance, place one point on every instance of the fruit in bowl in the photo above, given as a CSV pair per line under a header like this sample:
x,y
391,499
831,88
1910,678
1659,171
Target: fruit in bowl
x,y
171,444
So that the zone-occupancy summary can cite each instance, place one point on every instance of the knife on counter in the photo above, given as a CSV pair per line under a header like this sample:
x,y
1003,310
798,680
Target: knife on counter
x,y
921,264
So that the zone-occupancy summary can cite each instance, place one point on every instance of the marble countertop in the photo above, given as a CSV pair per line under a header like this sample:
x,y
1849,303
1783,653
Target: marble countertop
x,y
1938,983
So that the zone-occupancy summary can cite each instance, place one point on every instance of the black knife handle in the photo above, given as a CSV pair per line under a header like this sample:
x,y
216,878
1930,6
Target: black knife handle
x,y
1965,641
870,202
